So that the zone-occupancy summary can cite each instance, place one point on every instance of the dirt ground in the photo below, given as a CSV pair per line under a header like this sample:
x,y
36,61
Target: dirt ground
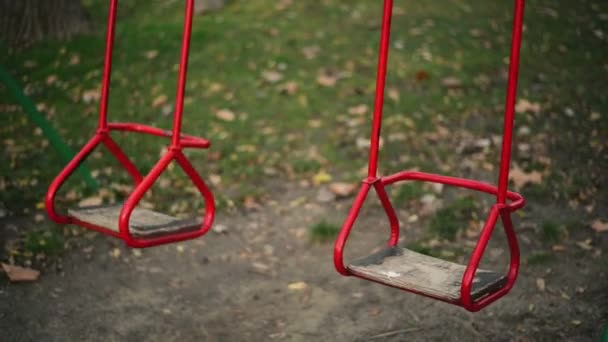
x,y
235,286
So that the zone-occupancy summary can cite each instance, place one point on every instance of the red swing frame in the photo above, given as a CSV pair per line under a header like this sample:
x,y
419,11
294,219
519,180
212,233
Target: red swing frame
x,y
143,183
506,201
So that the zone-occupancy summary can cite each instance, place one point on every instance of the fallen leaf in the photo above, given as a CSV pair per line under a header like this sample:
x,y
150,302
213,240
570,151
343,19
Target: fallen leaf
x,y
215,179
225,114
75,59
260,266
289,88
151,54
540,284
311,52
90,201
524,106
272,76
220,229
19,274
321,177
521,178
167,110
90,96
451,82
327,79
358,110
51,79
393,94
159,101
115,253
375,311
599,226
283,4
297,286
250,203
585,245
422,75
342,189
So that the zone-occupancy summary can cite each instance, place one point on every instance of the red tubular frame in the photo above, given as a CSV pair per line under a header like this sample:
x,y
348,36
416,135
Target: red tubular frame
x,y
179,141
506,201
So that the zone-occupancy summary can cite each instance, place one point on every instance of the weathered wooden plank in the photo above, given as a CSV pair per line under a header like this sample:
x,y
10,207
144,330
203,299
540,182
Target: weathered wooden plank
x,y
143,222
407,269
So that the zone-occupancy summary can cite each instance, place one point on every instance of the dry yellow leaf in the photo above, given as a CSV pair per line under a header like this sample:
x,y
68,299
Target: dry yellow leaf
x,y
297,286
225,114
521,178
327,79
159,101
599,226
524,106
20,274
321,177
342,189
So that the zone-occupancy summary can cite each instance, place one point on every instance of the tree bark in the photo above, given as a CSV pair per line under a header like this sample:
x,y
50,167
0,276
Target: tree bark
x,y
26,21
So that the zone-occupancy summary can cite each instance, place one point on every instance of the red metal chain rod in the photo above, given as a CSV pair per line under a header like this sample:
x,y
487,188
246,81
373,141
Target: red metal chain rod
x,y
183,70
174,153
507,140
501,208
380,88
107,66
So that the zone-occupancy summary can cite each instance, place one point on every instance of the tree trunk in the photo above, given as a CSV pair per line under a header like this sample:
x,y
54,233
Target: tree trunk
x,y
26,21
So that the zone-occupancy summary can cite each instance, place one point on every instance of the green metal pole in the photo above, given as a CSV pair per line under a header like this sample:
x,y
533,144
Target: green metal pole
x,y
49,132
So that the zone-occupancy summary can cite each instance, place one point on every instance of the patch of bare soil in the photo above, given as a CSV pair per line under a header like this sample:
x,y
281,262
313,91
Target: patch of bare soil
x,y
263,280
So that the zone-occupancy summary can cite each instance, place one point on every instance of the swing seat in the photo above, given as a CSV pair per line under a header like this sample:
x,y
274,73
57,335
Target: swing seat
x,y
411,271
137,227
144,223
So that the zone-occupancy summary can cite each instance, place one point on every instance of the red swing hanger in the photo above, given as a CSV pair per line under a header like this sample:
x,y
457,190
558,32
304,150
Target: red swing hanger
x,y
463,285
139,227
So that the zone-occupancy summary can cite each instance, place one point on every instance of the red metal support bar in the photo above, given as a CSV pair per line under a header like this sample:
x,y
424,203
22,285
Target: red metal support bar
x,y
49,199
183,70
469,275
393,240
107,67
123,159
507,140
145,185
347,227
380,88
517,199
186,140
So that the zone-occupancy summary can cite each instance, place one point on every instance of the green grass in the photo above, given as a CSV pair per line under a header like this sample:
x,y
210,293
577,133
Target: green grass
x,y
323,232
43,241
422,248
447,222
295,135
540,258
408,192
551,232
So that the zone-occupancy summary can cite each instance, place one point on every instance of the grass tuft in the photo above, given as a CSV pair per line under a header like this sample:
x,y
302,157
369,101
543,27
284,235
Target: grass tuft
x,y
324,232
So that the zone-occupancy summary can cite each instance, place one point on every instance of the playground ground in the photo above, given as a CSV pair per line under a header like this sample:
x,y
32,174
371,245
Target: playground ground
x,y
263,280
261,73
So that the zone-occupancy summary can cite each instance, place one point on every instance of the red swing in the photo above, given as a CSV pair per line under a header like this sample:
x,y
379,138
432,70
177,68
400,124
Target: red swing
x,y
139,227
463,285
